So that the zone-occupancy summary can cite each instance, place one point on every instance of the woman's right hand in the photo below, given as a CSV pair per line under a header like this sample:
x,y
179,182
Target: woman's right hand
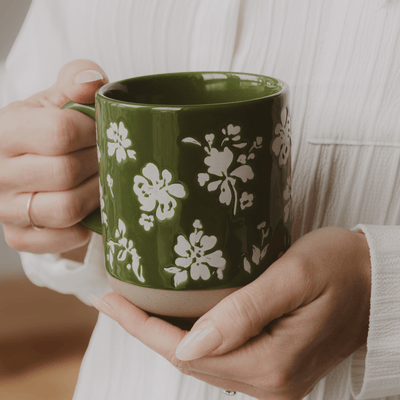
x,y
50,152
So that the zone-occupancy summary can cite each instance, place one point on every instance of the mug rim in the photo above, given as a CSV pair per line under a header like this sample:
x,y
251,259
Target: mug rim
x,y
103,89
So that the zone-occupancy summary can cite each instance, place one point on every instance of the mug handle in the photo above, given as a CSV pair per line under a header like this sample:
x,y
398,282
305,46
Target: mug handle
x,y
93,220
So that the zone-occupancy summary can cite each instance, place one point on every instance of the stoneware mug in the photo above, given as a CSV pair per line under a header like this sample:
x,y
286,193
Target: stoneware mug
x,y
195,185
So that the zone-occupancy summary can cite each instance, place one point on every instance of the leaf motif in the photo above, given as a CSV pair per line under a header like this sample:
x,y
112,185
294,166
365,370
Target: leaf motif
x,y
191,140
264,251
213,185
121,227
132,154
244,172
256,255
172,270
239,145
262,225
247,265
180,277
122,255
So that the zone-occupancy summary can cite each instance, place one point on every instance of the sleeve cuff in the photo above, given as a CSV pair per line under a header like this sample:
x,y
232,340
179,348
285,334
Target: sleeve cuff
x,y
67,276
375,368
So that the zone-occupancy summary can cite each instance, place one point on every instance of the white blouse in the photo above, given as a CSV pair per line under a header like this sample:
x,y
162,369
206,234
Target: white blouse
x,y
341,60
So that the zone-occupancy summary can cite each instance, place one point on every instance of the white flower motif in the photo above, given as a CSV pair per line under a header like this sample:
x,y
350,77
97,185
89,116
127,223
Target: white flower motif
x,y
262,225
102,205
210,139
98,153
219,163
281,144
110,183
125,247
246,200
118,135
232,134
242,159
288,198
203,178
197,224
146,221
258,252
196,257
157,192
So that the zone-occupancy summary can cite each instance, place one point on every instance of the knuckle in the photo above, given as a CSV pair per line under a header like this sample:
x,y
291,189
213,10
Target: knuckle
x,y
63,132
65,171
301,269
245,312
70,209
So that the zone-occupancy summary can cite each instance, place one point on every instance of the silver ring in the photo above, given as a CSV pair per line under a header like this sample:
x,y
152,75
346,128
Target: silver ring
x,y
28,208
229,393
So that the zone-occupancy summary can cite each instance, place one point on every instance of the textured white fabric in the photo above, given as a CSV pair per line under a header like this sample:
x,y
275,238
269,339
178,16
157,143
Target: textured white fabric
x,y
384,332
341,60
70,277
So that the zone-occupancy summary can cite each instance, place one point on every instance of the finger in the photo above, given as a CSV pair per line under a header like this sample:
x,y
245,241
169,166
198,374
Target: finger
x,y
155,333
46,131
53,209
239,365
77,81
244,313
48,173
53,241
274,360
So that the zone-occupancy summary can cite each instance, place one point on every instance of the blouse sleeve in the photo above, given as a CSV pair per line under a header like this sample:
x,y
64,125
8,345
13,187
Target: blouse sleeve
x,y
70,277
375,368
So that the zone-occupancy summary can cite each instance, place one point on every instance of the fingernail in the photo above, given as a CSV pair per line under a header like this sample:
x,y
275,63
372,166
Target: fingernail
x,y
102,306
88,76
199,342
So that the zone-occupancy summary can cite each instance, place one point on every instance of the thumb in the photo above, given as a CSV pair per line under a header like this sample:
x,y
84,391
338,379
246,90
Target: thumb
x,y
243,314
77,81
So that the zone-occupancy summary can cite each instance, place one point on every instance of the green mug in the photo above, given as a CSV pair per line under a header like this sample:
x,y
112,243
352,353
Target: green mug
x,y
195,184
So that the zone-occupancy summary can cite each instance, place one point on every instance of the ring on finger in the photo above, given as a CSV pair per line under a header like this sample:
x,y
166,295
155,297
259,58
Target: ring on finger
x,y
28,208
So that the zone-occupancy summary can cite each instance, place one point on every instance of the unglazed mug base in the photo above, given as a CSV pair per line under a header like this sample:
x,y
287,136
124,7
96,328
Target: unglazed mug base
x,y
171,303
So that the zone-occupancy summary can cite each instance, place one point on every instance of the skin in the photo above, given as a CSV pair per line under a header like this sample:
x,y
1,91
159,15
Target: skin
x,y
52,152
283,332
280,334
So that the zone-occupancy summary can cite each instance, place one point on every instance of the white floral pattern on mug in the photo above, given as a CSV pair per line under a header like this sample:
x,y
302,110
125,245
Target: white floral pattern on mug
x,y
260,252
287,196
110,183
146,221
156,191
119,142
282,143
223,171
196,257
102,205
125,247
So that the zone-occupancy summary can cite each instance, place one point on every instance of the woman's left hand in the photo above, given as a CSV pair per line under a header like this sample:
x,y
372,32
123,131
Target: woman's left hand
x,y
276,337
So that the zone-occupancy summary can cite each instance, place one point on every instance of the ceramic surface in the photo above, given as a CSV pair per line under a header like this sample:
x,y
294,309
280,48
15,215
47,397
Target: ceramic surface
x,y
195,178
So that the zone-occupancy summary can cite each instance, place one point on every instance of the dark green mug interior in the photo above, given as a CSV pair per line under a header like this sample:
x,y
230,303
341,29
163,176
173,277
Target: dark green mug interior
x,y
192,88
